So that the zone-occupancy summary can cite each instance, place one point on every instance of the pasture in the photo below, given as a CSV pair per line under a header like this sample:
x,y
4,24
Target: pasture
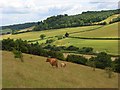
x,y
109,46
49,33
36,73
110,18
107,31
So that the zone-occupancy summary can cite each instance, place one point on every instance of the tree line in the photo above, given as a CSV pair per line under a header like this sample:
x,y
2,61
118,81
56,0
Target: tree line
x,y
19,26
25,47
84,19
102,59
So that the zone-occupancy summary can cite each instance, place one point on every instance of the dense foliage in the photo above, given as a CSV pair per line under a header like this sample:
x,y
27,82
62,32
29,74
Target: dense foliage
x,y
24,47
84,19
76,59
102,60
116,65
86,50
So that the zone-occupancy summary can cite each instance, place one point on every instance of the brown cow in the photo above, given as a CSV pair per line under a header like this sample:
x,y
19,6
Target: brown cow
x,y
63,64
52,61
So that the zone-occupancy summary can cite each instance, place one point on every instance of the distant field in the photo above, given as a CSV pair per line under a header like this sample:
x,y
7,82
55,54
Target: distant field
x,y
109,46
48,33
110,30
5,31
36,73
30,28
109,18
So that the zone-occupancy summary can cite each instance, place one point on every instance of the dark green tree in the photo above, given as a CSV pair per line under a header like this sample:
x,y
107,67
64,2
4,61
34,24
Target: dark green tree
x,y
66,34
103,60
42,36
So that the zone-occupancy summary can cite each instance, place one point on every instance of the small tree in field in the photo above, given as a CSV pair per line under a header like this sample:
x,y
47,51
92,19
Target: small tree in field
x,y
18,54
42,36
66,34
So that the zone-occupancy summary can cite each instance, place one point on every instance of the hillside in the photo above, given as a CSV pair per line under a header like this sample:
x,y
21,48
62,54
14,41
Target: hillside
x,y
65,21
109,19
108,31
19,26
36,73
84,19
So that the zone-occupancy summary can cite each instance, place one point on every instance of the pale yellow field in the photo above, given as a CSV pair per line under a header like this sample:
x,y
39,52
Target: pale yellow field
x,y
36,73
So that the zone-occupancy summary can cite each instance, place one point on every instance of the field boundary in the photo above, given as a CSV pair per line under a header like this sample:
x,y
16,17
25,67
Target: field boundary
x,y
90,38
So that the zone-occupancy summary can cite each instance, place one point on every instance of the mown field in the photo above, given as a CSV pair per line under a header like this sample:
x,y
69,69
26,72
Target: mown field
x,y
49,33
109,46
37,73
110,31
107,31
109,18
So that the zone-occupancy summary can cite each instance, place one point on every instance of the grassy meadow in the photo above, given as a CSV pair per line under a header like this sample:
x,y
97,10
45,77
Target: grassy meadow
x,y
109,46
48,33
107,31
110,18
34,72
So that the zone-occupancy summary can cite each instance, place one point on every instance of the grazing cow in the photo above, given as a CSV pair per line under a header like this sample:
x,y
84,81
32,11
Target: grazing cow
x,y
63,64
52,61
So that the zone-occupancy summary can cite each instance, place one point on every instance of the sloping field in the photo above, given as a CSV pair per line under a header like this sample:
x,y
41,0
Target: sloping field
x,y
110,30
30,28
110,18
48,33
37,73
109,46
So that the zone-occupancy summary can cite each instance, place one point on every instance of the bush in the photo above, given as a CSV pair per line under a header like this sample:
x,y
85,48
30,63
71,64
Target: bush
x,y
56,54
49,41
60,37
66,34
72,48
42,36
116,65
76,59
103,60
86,50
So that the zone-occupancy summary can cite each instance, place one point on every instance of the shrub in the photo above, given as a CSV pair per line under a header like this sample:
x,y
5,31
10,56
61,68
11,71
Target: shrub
x,y
49,41
76,59
42,36
72,48
86,50
103,60
116,65
66,34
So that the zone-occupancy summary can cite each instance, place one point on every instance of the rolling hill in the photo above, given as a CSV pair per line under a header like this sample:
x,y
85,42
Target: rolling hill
x,y
110,30
36,73
109,19
107,31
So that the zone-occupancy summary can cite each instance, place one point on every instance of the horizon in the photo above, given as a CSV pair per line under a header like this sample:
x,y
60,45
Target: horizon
x,y
19,11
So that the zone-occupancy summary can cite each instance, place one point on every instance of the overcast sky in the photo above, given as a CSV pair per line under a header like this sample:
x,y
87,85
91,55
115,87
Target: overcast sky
x,y
21,11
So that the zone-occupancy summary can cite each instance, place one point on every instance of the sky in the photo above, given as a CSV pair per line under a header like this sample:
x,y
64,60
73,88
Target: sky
x,y
22,11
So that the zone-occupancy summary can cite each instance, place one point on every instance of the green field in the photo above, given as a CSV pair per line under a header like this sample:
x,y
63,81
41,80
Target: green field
x,y
107,31
110,18
110,30
109,46
5,31
36,73
48,33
